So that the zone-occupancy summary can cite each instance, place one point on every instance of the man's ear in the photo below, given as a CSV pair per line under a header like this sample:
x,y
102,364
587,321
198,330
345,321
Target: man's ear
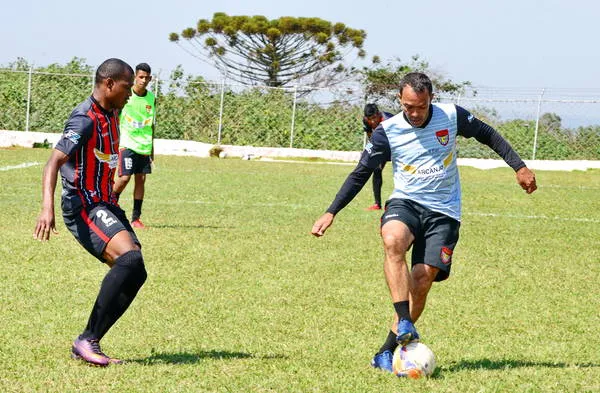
x,y
110,83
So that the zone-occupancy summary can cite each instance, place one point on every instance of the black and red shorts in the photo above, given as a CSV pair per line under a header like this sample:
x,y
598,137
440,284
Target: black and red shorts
x,y
93,227
435,233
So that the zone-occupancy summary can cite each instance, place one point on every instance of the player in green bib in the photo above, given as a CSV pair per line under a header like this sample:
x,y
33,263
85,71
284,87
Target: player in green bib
x,y
136,150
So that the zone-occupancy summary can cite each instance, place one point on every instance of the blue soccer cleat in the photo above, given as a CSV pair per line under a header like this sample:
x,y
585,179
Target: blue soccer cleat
x,y
406,332
383,361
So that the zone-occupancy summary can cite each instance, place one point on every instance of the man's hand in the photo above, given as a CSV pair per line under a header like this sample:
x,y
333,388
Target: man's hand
x,y
322,224
45,224
526,179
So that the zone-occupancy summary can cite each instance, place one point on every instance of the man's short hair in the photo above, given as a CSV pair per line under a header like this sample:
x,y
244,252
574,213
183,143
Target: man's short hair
x,y
115,69
143,67
418,81
371,109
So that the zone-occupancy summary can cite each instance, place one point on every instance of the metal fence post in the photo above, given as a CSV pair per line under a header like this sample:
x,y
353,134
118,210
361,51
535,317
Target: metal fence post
x,y
155,91
221,111
28,98
537,124
293,116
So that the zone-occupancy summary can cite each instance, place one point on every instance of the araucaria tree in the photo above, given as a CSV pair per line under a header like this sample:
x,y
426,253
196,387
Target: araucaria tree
x,y
254,50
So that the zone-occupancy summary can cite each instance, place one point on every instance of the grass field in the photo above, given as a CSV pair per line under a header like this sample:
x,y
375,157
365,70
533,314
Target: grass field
x,y
241,298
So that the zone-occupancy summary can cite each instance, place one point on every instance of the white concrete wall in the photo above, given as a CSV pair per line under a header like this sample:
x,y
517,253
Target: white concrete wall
x,y
199,149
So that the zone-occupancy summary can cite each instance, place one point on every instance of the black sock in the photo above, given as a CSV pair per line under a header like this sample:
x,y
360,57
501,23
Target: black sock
x,y
390,343
119,287
137,209
402,309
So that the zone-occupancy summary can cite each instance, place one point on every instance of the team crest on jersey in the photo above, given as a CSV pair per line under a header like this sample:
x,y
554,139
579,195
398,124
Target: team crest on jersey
x,y
446,255
442,137
111,159
149,108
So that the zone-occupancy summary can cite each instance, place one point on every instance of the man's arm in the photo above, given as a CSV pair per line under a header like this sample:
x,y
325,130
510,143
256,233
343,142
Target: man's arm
x,y
46,221
469,126
376,152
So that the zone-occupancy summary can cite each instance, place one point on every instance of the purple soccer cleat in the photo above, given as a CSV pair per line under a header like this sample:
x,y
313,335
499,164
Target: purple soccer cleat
x,y
89,351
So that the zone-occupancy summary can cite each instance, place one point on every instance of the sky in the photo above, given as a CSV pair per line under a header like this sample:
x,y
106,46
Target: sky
x,y
500,44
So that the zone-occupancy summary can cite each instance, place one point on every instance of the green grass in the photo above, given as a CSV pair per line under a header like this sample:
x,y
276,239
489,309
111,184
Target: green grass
x,y
241,298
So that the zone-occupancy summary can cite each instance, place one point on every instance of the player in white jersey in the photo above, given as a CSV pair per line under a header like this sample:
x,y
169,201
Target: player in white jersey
x,y
423,211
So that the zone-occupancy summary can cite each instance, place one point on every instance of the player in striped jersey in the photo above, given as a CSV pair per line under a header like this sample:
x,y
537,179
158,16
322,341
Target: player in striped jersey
x,y
424,209
87,156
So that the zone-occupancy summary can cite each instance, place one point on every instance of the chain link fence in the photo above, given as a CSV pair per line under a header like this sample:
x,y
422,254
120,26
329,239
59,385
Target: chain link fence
x,y
554,124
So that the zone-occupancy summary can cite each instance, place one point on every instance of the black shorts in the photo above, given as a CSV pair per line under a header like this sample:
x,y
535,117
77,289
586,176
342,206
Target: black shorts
x,y
131,163
93,227
435,233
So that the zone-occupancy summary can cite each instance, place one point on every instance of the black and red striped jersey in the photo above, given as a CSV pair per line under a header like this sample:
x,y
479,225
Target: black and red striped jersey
x,y
91,140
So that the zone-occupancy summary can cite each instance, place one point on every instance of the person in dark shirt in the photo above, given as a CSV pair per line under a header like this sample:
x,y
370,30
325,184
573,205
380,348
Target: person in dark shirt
x,y
371,119
87,157
424,209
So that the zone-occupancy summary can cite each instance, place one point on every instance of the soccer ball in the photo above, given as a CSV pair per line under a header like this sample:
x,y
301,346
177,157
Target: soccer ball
x,y
223,154
414,360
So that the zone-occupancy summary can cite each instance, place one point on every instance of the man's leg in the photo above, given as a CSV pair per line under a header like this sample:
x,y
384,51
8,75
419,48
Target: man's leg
x,y
118,289
138,196
422,277
397,239
377,184
120,184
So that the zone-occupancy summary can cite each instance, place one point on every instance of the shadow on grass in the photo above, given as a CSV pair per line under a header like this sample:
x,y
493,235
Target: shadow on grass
x,y
190,358
488,364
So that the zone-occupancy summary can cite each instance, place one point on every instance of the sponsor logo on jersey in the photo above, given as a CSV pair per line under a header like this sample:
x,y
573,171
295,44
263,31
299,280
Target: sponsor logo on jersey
x,y
111,159
149,108
72,136
446,255
432,171
442,137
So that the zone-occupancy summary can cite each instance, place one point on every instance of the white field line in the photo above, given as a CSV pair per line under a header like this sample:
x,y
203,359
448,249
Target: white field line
x,y
297,205
532,217
20,166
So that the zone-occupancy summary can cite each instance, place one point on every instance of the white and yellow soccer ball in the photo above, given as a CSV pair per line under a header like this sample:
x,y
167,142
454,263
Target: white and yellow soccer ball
x,y
414,360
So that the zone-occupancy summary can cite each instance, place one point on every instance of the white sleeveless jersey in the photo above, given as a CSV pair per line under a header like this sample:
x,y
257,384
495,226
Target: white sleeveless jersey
x,y
424,160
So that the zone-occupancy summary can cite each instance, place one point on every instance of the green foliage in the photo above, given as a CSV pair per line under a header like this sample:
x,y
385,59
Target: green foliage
x,y
189,108
380,82
254,50
241,298
55,91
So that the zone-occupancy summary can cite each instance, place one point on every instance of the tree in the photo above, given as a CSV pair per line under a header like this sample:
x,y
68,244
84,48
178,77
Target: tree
x,y
551,123
379,80
254,50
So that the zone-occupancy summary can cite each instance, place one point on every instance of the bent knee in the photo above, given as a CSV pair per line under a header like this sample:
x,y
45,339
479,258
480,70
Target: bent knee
x,y
134,261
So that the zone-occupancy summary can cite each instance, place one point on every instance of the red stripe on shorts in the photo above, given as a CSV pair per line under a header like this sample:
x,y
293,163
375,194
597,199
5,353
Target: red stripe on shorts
x,y
94,227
